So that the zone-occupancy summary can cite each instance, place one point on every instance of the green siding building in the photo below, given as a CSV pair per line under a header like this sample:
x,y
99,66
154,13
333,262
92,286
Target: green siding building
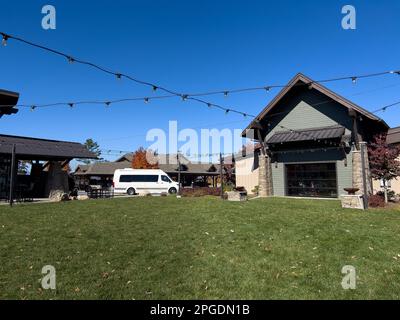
x,y
311,141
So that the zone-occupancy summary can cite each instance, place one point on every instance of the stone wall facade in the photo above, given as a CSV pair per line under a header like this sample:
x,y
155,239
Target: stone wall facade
x,y
357,170
57,181
265,176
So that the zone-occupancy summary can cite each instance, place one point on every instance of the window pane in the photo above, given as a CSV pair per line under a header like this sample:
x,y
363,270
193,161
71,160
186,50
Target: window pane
x,y
138,178
311,180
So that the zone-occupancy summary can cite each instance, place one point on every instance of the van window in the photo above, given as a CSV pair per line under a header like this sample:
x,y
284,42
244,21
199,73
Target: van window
x,y
138,178
165,179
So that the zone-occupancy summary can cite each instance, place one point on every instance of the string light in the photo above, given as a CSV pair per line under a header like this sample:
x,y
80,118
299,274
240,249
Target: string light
x,y
353,78
33,108
146,100
186,96
226,93
155,88
4,40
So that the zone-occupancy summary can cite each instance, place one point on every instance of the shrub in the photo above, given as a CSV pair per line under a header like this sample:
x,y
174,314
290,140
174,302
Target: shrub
x,y
201,191
376,201
256,190
390,193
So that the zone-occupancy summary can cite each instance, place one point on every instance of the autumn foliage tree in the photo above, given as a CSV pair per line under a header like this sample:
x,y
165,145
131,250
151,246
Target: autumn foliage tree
x,y
144,159
383,160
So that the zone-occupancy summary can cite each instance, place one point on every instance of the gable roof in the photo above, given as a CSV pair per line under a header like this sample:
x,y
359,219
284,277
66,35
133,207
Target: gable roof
x,y
164,158
101,168
302,80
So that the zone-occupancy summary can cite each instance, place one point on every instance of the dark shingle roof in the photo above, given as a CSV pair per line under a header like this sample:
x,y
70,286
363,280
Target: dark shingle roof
x,y
307,135
300,80
101,168
44,149
108,168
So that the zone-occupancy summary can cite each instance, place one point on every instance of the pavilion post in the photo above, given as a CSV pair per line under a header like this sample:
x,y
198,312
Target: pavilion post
x,y
221,163
12,175
179,173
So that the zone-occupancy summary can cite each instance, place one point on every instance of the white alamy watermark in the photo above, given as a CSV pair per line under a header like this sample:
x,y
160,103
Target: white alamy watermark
x,y
350,278
202,146
49,280
349,20
49,20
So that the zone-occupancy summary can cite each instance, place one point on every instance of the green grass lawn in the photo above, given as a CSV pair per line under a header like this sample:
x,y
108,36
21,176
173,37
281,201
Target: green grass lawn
x,y
198,248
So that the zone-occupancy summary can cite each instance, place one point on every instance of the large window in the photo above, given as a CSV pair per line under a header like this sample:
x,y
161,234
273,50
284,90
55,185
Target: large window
x,y
311,180
165,179
138,178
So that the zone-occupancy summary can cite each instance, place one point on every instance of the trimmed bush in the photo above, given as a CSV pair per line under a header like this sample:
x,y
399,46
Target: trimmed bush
x,y
200,192
376,201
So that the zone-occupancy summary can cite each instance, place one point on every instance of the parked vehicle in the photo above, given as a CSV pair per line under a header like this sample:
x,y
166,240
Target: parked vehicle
x,y
133,181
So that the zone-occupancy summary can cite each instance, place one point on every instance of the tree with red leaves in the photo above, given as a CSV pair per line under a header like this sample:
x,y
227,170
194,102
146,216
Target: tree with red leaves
x,y
144,159
383,160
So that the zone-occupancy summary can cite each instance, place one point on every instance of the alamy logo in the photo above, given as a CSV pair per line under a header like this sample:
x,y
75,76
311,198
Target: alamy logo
x,y
49,280
49,20
349,280
349,20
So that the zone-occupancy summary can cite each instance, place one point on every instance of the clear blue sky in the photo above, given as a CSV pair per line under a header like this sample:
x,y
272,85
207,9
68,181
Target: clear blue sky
x,y
188,46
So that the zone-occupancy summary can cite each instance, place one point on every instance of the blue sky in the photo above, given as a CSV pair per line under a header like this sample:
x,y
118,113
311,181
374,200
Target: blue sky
x,y
188,46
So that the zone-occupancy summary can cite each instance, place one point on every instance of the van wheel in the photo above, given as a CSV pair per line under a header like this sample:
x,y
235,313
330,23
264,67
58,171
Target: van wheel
x,y
172,191
130,191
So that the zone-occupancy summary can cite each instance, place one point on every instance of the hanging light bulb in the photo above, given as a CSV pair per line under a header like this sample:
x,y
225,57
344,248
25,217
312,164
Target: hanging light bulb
x,y
146,100
354,79
267,89
4,40
184,97
244,115
118,75
71,105
155,88
209,105
226,93
107,103
33,108
227,111
71,60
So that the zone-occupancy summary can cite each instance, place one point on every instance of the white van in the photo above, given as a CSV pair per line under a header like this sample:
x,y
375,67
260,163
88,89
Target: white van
x,y
133,181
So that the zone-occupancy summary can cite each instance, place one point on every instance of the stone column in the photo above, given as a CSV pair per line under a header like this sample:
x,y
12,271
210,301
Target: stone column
x,y
358,181
57,181
265,176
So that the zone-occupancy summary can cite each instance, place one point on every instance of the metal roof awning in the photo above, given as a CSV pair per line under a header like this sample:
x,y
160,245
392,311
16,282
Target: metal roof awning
x,y
332,132
42,149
